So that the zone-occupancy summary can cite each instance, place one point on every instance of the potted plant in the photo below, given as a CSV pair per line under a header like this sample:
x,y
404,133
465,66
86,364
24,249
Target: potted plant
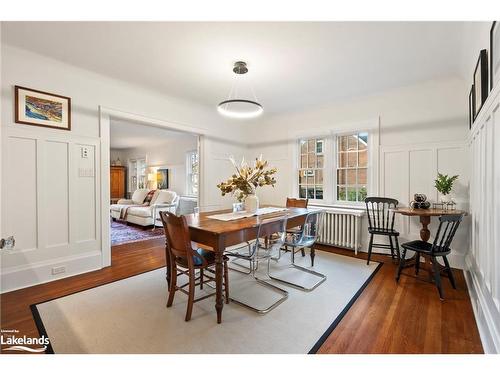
x,y
444,185
246,180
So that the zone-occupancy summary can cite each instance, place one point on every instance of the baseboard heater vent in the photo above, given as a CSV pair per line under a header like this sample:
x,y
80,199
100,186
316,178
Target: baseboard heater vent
x,y
342,228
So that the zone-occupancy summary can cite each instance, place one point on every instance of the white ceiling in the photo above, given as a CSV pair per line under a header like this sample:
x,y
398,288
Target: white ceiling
x,y
126,134
292,64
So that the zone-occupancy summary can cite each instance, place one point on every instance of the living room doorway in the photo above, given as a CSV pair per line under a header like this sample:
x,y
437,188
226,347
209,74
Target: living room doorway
x,y
152,168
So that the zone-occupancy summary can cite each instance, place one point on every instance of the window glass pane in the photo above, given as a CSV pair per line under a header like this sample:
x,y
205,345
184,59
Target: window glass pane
x,y
320,161
311,160
302,177
302,192
363,141
351,194
363,158
341,193
342,160
310,192
319,177
362,193
319,192
341,176
352,143
303,161
310,178
303,147
342,143
310,147
362,176
351,176
352,159
319,146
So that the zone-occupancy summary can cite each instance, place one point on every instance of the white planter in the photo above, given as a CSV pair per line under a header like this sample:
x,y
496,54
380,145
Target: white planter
x,y
251,203
445,198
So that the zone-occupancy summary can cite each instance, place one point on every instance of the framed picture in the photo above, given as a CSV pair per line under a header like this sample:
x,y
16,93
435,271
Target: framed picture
x,y
480,82
162,178
471,106
494,55
33,107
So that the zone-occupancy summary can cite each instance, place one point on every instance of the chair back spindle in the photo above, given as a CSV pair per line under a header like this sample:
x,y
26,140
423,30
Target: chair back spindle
x,y
380,214
448,225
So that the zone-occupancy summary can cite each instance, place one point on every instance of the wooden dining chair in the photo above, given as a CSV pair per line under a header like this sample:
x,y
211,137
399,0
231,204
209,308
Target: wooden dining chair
x,y
297,203
185,257
448,225
381,223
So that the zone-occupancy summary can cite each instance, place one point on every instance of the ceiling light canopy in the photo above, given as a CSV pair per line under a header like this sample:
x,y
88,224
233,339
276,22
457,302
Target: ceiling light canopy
x,y
236,107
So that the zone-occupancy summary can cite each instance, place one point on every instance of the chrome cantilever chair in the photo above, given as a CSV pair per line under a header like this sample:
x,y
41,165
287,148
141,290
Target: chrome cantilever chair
x,y
306,237
271,235
448,226
381,223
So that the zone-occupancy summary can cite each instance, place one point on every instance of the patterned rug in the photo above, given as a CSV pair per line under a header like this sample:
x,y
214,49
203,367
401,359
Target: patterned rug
x,y
122,233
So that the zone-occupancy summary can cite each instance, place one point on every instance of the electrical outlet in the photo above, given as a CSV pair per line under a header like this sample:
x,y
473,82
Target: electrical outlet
x,y
58,270
85,152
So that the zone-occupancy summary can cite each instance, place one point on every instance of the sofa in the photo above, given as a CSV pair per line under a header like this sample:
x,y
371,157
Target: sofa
x,y
137,211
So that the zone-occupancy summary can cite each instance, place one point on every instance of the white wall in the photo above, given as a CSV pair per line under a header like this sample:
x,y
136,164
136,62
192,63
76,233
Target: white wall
x,y
78,245
423,129
171,154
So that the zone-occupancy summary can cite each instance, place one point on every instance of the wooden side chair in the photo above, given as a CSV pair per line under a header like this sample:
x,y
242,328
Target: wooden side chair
x,y
298,203
381,223
184,257
448,225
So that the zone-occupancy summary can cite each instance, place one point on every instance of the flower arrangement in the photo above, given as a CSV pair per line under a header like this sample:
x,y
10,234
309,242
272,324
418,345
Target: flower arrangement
x,y
247,178
444,183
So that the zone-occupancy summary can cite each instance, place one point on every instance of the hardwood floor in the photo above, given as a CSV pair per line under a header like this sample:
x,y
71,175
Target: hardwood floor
x,y
386,318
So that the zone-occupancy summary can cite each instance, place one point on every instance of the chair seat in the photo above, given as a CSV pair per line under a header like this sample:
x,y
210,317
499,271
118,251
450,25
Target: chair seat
x,y
209,257
423,247
387,232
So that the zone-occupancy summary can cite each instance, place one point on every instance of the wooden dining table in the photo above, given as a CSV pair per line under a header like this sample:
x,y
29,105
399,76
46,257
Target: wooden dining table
x,y
218,235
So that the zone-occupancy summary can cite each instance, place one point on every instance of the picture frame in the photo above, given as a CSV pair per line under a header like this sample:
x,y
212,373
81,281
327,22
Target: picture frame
x,y
494,54
471,106
162,178
481,82
40,108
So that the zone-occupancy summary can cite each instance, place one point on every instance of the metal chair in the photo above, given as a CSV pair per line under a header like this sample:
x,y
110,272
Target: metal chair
x,y
381,223
448,226
270,237
306,237
185,258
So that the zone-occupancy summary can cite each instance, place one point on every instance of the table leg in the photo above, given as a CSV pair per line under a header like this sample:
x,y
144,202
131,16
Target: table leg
x,y
425,234
219,299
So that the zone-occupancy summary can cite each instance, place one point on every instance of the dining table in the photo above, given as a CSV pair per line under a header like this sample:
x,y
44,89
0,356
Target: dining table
x,y
217,235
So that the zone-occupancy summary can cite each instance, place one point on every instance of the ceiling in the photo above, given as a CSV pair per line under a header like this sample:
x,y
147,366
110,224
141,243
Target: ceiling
x,y
127,134
292,65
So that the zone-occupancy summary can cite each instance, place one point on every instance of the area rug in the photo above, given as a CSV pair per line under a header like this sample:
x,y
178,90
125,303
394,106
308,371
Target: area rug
x,y
122,233
129,316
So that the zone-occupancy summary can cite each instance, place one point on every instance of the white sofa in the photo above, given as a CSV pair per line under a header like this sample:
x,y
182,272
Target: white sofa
x,y
163,200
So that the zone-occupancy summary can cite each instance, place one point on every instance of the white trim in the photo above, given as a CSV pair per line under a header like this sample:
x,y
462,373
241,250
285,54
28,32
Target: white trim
x,y
41,272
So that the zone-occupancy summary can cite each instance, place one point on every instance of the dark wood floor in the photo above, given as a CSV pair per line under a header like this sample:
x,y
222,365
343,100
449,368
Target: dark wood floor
x,y
387,317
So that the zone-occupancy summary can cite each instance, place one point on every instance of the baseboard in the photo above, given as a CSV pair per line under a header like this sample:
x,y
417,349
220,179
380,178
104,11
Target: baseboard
x,y
487,316
40,273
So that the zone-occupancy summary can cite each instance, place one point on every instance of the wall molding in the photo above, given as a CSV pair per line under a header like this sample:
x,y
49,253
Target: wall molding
x,y
41,272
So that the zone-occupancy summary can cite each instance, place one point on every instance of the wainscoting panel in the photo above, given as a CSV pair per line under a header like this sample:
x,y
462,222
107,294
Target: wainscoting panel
x,y
483,261
409,169
51,199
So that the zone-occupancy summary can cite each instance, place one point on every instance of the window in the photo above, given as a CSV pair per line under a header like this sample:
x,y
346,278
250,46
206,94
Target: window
x,y
352,167
334,169
311,167
192,172
137,174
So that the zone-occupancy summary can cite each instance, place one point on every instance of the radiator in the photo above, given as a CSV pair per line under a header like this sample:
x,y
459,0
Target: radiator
x,y
341,228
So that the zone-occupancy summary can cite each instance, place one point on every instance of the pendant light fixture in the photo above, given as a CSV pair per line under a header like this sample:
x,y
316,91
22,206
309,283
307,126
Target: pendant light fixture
x,y
237,107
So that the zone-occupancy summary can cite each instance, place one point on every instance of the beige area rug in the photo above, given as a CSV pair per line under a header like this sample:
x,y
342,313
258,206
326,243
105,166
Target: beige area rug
x,y
129,316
